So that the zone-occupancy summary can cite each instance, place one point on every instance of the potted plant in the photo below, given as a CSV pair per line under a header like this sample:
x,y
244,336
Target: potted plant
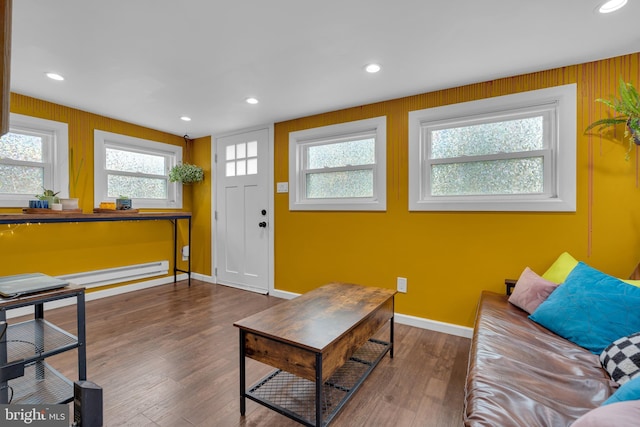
x,y
123,203
627,109
49,196
186,173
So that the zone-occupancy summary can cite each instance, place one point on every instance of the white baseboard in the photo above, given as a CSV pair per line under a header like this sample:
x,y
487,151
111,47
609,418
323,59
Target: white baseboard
x,y
283,294
203,278
211,279
244,288
434,325
98,294
405,319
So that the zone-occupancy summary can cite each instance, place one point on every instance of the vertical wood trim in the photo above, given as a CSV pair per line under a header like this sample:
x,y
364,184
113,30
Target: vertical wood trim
x,y
5,64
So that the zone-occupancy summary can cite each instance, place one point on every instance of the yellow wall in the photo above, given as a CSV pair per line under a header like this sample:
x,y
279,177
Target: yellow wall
x,y
449,257
201,209
66,248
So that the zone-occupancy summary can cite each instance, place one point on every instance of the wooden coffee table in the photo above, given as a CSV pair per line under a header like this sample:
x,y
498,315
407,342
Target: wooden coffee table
x,y
321,344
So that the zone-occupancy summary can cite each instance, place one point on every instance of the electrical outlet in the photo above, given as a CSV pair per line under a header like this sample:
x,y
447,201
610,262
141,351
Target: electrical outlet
x,y
185,253
402,284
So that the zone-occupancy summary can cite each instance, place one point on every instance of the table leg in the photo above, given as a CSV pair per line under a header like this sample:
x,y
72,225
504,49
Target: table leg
x,y
242,375
82,336
318,389
189,259
391,338
393,310
175,250
4,388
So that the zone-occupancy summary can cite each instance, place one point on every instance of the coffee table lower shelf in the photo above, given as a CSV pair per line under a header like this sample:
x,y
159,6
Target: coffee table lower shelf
x,y
295,397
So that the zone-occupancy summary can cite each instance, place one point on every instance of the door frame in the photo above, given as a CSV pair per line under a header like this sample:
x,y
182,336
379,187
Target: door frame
x,y
270,202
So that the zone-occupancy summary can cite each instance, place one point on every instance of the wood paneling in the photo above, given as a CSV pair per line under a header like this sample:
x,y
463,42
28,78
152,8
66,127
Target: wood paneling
x,y
5,64
75,243
428,248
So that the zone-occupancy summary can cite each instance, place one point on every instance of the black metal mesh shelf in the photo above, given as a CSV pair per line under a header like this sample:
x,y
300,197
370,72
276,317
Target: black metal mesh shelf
x,y
295,396
35,339
40,384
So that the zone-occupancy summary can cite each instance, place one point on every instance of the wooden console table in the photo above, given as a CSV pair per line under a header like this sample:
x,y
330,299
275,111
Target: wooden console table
x,y
321,344
106,217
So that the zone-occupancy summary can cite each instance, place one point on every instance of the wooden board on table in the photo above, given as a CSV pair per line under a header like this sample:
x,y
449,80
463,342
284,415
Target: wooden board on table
x,y
41,211
116,212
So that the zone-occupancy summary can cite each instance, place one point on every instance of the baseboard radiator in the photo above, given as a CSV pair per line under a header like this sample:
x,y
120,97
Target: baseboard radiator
x,y
109,276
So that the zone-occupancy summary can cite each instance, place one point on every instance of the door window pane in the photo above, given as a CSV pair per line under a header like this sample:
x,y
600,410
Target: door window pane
x,y
252,166
241,150
252,149
241,167
231,169
231,152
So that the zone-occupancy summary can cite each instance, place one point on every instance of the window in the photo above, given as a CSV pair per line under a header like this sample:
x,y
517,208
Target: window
x,y
33,156
241,159
340,167
509,153
136,168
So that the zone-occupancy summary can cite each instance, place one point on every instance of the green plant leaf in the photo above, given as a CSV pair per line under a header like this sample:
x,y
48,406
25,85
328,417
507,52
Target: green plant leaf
x,y
605,123
627,109
186,173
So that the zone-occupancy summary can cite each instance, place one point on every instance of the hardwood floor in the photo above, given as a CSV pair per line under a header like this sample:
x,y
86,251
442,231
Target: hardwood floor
x,y
168,356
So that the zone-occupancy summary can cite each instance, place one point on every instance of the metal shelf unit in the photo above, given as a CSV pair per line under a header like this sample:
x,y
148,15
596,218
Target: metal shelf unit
x,y
41,384
25,377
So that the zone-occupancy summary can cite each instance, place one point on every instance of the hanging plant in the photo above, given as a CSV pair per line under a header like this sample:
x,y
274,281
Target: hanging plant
x,y
186,173
627,109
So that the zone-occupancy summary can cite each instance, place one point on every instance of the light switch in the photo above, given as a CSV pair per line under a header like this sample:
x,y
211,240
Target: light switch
x,y
282,187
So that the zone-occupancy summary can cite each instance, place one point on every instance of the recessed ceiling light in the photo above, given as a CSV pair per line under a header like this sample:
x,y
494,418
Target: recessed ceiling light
x,y
372,68
251,100
612,6
55,76
185,118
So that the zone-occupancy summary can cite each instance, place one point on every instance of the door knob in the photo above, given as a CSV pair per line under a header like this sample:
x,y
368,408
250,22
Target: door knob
x,y
262,224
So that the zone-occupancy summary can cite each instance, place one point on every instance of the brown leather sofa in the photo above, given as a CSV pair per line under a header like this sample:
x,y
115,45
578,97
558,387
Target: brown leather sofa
x,y
521,374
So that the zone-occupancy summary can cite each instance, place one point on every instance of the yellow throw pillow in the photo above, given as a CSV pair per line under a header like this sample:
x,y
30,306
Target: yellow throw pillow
x,y
561,268
632,282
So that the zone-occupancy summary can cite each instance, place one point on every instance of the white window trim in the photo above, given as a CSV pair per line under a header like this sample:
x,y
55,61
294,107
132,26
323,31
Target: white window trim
x,y
102,138
561,197
59,159
298,140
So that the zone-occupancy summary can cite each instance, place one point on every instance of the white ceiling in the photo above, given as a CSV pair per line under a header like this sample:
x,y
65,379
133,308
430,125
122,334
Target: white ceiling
x,y
150,61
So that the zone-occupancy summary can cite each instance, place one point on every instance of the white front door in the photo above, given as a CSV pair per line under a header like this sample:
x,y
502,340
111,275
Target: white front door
x,y
242,225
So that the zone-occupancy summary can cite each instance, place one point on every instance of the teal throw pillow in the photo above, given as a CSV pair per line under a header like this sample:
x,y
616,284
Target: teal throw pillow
x,y
627,391
591,309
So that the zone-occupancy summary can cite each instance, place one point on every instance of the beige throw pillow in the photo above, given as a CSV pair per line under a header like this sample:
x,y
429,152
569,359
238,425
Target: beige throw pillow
x,y
531,290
